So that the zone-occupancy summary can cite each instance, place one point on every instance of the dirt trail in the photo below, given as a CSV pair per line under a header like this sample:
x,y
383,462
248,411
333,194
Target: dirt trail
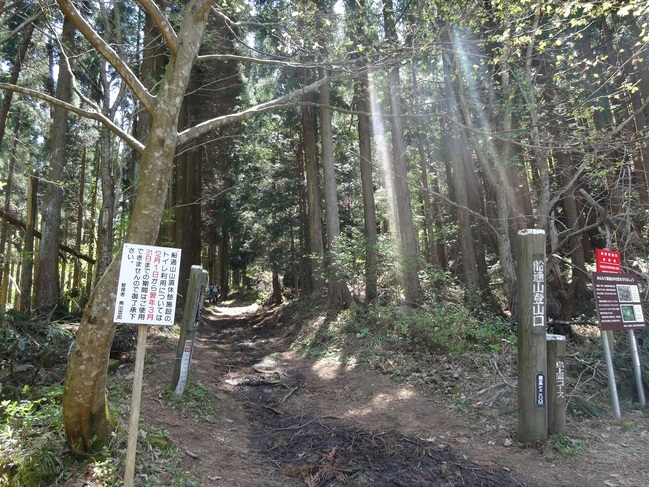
x,y
286,420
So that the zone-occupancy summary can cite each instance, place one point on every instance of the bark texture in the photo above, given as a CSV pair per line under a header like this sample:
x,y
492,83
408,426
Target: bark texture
x,y
87,419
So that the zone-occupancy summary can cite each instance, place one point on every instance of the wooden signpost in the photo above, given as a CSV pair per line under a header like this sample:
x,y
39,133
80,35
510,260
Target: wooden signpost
x,y
532,348
146,295
556,384
188,328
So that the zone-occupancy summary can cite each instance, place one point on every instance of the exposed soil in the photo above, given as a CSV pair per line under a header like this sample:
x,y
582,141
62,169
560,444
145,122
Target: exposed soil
x,y
288,420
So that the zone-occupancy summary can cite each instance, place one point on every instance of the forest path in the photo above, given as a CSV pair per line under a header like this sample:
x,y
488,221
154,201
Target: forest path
x,y
288,420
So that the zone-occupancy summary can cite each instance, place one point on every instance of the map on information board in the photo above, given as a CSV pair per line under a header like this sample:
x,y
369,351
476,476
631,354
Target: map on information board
x,y
148,285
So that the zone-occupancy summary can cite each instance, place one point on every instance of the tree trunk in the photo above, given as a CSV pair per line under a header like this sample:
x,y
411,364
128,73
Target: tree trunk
x,y
27,261
153,68
338,295
578,269
314,205
469,265
47,274
224,259
493,160
78,240
407,236
5,241
85,412
305,279
423,168
13,78
91,279
187,207
277,289
358,32
367,184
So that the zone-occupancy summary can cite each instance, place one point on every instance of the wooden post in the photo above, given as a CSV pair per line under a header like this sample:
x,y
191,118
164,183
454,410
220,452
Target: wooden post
x,y
136,397
188,328
532,349
556,385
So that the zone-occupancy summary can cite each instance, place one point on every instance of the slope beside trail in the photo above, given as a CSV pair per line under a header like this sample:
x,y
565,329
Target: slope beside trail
x,y
288,420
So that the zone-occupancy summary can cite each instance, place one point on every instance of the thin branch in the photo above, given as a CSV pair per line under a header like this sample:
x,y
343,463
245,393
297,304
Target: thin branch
x,y
203,9
229,21
93,115
274,62
21,26
285,101
70,11
250,59
162,24
19,223
568,185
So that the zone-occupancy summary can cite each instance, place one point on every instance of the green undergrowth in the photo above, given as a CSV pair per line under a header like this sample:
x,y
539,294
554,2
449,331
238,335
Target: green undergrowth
x,y
34,452
451,346
32,441
196,400
443,325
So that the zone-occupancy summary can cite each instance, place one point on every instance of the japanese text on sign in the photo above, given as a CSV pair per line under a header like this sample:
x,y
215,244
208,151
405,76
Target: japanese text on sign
x,y
538,293
540,390
618,301
184,366
607,260
560,378
148,284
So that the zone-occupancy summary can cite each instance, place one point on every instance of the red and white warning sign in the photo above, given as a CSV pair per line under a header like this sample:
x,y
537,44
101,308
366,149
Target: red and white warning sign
x,y
607,260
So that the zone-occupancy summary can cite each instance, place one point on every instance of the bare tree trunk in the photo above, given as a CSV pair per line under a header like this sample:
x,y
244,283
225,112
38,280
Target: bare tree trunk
x,y
86,416
186,201
423,168
407,236
91,279
224,259
13,77
367,184
27,261
4,115
357,29
47,275
469,264
338,295
76,280
5,245
153,67
305,280
277,289
540,154
313,194
493,163
105,234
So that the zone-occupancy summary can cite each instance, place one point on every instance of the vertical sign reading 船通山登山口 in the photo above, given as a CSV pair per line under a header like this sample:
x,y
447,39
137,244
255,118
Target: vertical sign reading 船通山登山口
x,y
538,293
148,285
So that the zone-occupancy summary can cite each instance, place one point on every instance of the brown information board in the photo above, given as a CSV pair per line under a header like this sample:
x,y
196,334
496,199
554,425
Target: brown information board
x,y
618,301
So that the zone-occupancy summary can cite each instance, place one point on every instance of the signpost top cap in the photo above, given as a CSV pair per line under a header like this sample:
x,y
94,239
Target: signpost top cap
x,y
531,231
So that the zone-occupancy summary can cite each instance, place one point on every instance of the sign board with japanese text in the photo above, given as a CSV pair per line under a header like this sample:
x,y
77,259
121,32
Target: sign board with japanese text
x,y
148,285
618,301
538,292
607,260
184,367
